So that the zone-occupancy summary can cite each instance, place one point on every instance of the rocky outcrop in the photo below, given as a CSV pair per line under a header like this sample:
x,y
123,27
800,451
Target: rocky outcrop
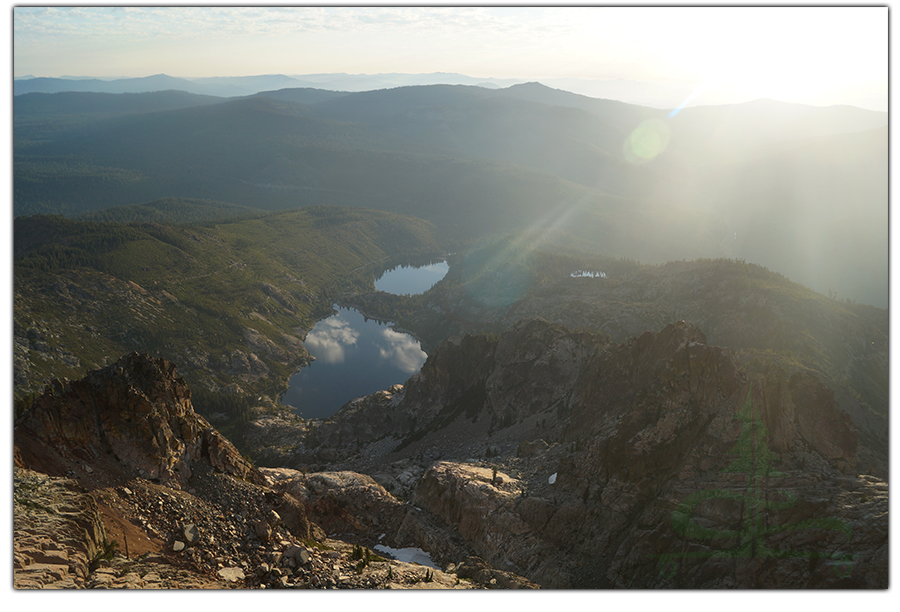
x,y
345,503
476,569
60,543
793,531
157,498
470,501
670,464
678,461
490,382
760,315
539,379
560,457
136,415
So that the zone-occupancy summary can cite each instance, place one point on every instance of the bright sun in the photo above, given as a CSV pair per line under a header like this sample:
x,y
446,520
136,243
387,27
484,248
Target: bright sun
x,y
786,53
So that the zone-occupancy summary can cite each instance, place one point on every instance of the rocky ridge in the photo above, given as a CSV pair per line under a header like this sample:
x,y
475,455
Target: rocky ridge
x,y
618,462
119,484
762,316
540,455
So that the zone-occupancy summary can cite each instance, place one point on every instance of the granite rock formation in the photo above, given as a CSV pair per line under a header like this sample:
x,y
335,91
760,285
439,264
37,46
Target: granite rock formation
x,y
541,456
669,465
119,484
138,413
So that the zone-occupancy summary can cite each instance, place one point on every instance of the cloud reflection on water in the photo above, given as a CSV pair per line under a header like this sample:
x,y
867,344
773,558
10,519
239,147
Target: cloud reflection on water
x,y
330,339
402,351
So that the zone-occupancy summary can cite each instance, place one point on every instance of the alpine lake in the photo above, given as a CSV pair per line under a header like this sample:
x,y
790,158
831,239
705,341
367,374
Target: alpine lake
x,y
356,356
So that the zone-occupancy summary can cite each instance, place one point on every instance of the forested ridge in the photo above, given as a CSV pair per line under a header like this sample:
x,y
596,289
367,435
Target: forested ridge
x,y
764,181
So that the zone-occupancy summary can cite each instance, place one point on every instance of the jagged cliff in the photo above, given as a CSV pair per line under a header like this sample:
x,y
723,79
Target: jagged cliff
x,y
135,417
685,473
671,465
120,484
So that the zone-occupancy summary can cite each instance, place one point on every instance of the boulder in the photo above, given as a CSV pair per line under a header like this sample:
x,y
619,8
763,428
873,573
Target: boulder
x,y
231,574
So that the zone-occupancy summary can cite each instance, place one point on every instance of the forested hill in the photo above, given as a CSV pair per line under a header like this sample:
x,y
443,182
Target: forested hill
x,y
106,104
634,181
174,211
227,301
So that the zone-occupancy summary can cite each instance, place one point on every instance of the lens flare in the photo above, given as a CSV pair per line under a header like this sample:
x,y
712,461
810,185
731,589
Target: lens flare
x,y
647,141
700,89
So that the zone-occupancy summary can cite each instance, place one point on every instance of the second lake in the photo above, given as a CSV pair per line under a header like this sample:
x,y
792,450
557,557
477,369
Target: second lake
x,y
411,279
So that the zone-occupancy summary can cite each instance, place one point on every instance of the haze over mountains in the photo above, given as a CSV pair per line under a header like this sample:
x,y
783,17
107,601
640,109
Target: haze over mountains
x,y
799,189
656,94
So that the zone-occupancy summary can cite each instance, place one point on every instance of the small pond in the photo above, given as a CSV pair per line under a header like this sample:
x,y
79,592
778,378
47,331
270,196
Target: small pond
x,y
411,280
354,357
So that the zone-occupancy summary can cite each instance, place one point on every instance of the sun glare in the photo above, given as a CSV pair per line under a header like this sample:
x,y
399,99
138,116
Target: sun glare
x,y
785,54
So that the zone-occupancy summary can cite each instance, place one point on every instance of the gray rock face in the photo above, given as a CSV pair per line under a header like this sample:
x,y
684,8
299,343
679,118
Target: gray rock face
x,y
345,502
746,308
191,533
658,462
665,451
695,533
673,453
476,569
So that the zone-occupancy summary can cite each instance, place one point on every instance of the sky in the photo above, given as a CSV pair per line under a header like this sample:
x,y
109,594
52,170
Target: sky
x,y
823,55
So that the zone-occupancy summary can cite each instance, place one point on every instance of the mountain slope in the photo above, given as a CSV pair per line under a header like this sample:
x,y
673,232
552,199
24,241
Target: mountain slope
x,y
739,126
229,301
119,483
819,211
86,103
276,154
173,211
156,82
765,318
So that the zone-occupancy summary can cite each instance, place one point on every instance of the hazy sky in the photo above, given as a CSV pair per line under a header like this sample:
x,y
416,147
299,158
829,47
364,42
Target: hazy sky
x,y
814,55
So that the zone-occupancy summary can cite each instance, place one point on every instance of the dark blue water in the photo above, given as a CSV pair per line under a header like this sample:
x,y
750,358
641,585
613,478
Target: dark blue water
x,y
411,280
354,358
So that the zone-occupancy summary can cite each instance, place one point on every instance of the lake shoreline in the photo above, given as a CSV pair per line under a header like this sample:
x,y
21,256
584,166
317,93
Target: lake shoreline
x,y
359,352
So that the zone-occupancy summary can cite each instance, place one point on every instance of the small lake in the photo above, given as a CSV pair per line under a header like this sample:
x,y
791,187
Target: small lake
x,y
411,280
354,357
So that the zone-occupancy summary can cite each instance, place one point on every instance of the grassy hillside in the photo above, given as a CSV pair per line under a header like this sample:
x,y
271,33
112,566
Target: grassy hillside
x,y
227,303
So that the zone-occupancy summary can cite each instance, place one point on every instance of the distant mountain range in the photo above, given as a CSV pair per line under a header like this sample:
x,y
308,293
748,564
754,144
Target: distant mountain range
x,y
652,94
655,94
